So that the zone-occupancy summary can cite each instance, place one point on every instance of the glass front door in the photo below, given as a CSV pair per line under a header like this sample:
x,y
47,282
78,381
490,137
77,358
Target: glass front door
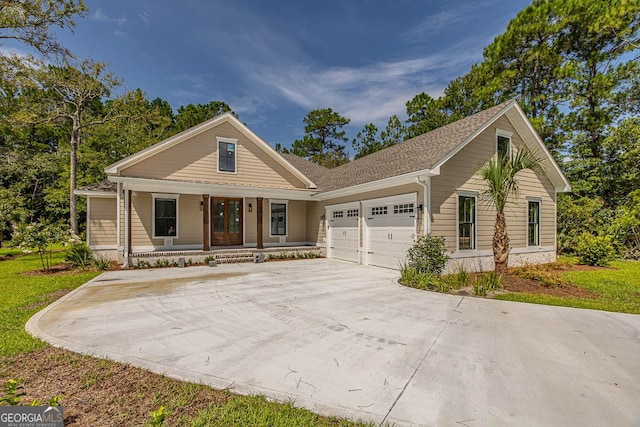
x,y
226,227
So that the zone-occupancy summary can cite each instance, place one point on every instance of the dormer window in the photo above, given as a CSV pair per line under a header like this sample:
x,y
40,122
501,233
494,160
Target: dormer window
x,y
503,144
227,158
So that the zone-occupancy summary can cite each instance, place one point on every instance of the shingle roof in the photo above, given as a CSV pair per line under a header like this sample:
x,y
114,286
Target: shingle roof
x,y
311,170
418,153
103,186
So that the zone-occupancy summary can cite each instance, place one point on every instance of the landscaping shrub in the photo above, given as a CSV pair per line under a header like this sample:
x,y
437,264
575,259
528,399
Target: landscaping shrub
x,y
595,250
413,278
41,236
79,255
101,263
427,255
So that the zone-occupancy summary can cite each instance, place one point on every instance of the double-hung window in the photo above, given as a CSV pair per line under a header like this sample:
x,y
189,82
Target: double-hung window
x,y
278,218
466,222
503,144
533,223
227,155
165,215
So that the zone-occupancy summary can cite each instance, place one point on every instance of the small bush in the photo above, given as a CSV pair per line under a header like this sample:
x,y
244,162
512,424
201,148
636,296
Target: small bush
x,y
492,280
209,258
157,417
427,255
413,278
161,263
595,250
79,255
101,263
479,288
462,276
140,263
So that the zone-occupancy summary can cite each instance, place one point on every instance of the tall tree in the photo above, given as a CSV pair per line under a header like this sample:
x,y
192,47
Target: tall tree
x,y
322,142
366,141
500,176
74,91
394,133
30,21
190,115
425,114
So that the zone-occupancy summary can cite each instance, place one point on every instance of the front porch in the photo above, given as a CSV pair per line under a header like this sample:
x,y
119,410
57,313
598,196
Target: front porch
x,y
161,219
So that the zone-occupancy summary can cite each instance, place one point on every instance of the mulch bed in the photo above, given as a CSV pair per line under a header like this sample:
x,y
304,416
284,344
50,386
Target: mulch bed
x,y
103,393
517,284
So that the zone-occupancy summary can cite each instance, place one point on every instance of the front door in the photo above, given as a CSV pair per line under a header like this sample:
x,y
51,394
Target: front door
x,y
226,227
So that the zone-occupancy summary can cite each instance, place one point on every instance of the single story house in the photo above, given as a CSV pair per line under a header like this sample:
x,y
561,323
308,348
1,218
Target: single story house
x,y
219,185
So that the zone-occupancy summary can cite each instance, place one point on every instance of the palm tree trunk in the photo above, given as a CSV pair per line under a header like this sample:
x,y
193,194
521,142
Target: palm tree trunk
x,y
501,245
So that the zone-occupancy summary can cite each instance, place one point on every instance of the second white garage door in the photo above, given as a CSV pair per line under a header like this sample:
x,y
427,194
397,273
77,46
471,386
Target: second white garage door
x,y
343,232
390,225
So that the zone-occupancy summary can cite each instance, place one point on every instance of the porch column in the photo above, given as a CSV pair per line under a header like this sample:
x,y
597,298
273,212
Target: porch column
x,y
206,245
127,228
259,243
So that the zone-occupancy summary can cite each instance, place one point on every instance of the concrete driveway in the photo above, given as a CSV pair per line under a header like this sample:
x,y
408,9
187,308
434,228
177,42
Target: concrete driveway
x,y
343,339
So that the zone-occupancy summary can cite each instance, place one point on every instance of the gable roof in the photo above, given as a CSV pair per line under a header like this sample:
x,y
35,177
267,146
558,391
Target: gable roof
x,y
228,117
425,153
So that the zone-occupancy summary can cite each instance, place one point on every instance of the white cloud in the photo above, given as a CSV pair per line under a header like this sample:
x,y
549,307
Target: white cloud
x,y
100,16
144,17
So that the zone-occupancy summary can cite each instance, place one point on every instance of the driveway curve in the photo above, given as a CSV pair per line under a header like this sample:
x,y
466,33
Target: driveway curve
x,y
347,340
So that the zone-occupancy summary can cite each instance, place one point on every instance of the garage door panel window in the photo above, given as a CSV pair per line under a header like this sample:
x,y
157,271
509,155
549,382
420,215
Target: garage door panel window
x,y
278,219
379,210
351,213
466,222
403,208
337,214
533,226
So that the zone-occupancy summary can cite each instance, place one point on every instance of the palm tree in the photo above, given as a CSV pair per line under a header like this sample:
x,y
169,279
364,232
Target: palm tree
x,y
500,175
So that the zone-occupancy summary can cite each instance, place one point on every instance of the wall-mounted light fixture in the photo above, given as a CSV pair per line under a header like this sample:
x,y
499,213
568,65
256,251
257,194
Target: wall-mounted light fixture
x,y
250,207
201,204
322,217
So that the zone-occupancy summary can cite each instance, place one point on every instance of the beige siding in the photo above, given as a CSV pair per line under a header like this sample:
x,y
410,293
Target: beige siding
x,y
102,221
316,226
459,174
189,221
196,160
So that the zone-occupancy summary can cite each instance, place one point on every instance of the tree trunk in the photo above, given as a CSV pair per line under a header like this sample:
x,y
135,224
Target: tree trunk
x,y
73,160
500,245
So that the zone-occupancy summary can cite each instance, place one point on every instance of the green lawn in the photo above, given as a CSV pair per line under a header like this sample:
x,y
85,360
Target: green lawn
x,y
618,289
21,296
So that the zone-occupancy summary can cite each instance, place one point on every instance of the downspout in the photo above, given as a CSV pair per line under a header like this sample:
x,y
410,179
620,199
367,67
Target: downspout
x,y
425,182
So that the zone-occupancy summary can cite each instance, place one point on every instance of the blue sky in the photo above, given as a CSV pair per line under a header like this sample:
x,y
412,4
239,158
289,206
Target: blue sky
x,y
273,61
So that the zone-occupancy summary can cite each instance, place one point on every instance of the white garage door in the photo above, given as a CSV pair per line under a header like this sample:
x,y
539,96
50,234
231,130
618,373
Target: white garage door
x,y
390,228
343,235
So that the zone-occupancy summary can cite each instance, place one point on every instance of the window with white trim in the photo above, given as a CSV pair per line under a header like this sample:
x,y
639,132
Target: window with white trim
x,y
466,222
278,219
403,208
379,210
503,144
165,215
353,213
533,223
337,214
226,156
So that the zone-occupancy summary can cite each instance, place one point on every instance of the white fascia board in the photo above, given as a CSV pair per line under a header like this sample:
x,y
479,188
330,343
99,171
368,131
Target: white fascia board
x,y
91,193
408,178
181,187
400,198
348,205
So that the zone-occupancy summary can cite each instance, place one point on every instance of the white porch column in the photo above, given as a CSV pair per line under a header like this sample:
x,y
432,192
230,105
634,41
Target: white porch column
x,y
127,227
